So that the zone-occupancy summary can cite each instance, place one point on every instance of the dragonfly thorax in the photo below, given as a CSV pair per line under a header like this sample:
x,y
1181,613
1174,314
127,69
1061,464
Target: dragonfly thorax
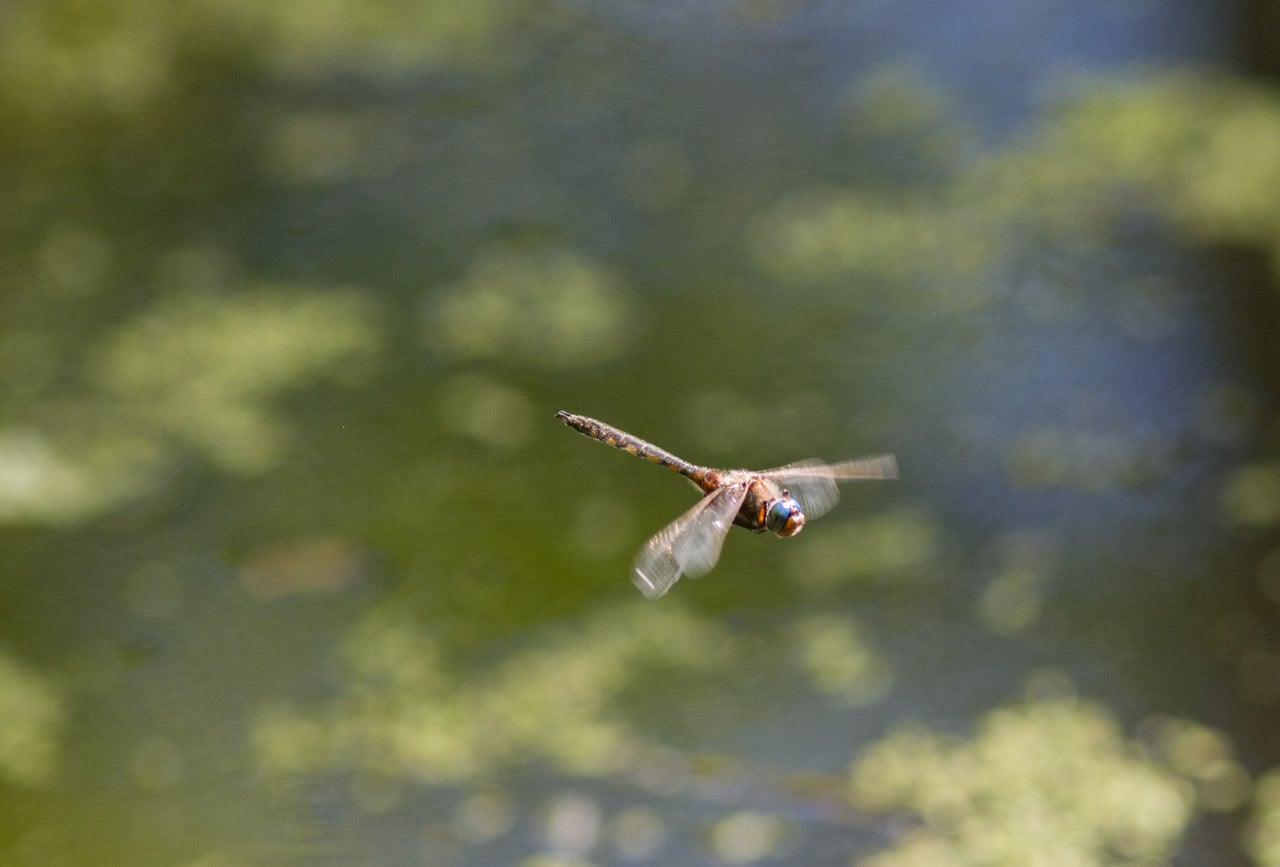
x,y
784,516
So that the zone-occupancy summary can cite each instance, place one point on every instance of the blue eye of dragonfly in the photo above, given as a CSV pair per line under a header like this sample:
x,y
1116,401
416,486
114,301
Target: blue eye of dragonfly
x,y
780,516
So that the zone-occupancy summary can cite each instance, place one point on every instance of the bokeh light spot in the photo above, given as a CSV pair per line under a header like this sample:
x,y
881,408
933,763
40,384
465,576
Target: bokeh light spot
x,y
746,837
1011,600
32,717
573,824
487,411
1252,495
553,309
839,661
638,833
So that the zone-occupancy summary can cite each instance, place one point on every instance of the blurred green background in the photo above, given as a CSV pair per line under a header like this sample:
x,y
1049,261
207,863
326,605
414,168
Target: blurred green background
x,y
298,568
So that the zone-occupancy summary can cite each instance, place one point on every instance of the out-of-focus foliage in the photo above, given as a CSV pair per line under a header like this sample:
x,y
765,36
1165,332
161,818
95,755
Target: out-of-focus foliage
x,y
900,543
1204,757
1264,843
121,55
554,309
1013,599
1207,148
487,411
820,235
1085,460
204,370
198,372
1051,782
406,713
33,716
747,837
840,661
1252,495
1202,151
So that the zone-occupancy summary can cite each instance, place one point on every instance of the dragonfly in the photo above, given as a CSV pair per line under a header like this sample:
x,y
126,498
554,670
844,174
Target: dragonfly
x,y
778,501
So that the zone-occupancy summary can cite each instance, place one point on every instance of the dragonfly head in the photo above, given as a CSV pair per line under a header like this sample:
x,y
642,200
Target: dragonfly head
x,y
784,516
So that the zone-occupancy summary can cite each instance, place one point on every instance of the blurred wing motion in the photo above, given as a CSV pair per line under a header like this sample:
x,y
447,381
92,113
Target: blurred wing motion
x,y
813,483
689,545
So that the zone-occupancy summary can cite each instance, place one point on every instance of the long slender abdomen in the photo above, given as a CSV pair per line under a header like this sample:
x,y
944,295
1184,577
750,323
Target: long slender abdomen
x,y
632,445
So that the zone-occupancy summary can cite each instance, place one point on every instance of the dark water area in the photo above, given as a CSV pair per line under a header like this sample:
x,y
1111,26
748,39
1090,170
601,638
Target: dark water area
x,y
298,567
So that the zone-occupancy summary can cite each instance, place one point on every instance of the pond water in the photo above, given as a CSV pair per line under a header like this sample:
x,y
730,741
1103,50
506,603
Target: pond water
x,y
300,568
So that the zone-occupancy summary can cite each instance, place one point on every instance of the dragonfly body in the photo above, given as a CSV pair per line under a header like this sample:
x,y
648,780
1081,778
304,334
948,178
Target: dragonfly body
x,y
778,500
633,445
760,492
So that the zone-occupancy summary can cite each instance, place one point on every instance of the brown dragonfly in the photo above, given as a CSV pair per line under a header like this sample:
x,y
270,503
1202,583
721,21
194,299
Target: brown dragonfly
x,y
778,500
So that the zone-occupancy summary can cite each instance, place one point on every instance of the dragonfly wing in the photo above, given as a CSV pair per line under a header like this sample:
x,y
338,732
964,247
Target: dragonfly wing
x,y
689,545
813,483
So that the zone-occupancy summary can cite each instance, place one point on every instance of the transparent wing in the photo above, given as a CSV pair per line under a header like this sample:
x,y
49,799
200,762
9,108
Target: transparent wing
x,y
689,545
813,483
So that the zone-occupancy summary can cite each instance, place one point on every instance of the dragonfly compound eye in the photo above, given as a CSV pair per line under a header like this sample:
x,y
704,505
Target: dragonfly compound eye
x,y
784,517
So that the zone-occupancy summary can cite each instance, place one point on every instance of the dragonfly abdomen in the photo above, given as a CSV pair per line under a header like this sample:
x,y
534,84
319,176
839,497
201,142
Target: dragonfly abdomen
x,y
632,445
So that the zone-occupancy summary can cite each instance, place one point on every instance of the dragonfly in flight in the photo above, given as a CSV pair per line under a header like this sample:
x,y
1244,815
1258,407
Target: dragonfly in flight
x,y
778,501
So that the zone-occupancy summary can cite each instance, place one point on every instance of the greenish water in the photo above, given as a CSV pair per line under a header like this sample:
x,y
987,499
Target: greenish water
x,y
299,568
